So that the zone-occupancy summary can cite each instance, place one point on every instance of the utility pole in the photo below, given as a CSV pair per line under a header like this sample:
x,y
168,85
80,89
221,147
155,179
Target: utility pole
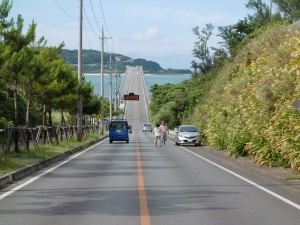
x,y
79,119
102,79
116,98
110,99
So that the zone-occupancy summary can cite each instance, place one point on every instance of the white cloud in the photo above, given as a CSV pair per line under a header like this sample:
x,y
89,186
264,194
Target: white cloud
x,y
151,34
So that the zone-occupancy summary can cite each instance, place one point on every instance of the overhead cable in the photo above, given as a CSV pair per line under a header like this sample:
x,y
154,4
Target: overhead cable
x,y
89,22
64,10
95,16
104,19
87,37
106,26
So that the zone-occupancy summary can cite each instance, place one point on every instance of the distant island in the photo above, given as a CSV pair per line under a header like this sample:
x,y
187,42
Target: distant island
x,y
91,61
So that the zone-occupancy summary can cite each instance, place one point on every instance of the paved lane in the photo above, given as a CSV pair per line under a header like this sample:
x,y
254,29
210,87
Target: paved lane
x,y
136,183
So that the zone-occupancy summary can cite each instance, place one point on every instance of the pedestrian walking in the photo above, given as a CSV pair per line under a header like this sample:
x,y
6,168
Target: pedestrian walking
x,y
164,132
157,136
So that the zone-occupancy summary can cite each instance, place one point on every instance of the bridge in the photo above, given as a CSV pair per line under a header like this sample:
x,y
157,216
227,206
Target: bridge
x,y
133,84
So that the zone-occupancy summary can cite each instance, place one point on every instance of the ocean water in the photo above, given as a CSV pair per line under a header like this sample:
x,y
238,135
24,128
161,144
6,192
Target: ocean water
x,y
95,80
150,79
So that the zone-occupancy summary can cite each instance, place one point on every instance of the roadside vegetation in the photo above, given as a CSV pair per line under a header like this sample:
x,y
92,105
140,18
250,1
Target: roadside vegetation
x,y
241,95
38,89
16,160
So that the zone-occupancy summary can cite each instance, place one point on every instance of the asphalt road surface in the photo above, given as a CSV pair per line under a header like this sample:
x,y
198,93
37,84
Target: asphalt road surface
x,y
137,183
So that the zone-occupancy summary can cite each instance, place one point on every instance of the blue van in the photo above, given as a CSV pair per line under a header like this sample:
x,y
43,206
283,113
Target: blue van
x,y
118,131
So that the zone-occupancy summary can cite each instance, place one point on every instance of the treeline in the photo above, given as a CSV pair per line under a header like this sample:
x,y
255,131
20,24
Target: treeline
x,y
34,79
241,95
91,62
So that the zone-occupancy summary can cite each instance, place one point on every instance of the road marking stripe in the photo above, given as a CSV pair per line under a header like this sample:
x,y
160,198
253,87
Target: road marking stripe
x,y
144,212
289,202
6,194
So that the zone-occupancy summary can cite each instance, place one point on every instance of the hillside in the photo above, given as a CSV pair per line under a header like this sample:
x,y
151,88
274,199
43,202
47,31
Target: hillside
x,y
246,107
91,60
249,109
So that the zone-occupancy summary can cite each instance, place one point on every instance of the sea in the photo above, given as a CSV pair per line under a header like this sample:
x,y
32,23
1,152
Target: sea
x,y
150,79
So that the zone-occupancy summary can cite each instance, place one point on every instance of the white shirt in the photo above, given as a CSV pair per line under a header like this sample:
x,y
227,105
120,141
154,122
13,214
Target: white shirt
x,y
157,131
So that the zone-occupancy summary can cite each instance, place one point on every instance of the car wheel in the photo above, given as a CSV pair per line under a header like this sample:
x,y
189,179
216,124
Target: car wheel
x,y
110,141
127,141
178,144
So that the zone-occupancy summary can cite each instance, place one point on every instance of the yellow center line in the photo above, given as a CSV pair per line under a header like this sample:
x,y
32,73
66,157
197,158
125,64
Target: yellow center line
x,y
144,212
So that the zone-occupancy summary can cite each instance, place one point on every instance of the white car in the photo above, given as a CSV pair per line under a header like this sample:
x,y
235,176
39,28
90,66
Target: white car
x,y
147,127
187,134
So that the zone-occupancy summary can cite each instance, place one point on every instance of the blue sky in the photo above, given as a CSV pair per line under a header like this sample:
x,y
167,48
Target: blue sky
x,y
157,30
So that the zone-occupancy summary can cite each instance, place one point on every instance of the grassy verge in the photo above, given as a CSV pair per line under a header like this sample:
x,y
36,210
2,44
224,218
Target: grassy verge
x,y
10,165
16,160
293,177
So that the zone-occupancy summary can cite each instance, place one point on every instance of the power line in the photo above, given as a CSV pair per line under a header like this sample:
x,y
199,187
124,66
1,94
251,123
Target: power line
x,y
104,18
64,10
95,16
87,37
90,23
106,26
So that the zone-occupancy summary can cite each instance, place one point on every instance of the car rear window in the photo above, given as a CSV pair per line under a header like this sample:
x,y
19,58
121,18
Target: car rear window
x,y
188,129
119,124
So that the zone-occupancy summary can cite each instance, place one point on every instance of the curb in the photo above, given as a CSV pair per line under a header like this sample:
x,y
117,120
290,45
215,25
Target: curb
x,y
25,171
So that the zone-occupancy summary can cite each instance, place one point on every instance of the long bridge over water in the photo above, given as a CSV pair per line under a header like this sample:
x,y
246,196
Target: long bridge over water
x,y
134,84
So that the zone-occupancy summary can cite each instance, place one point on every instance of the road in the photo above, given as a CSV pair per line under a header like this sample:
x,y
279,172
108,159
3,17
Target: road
x,y
137,183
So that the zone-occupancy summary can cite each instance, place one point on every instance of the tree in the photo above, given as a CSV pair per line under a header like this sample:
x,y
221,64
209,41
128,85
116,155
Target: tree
x,y
219,57
15,60
68,90
194,66
290,8
5,8
201,49
34,69
233,35
262,15
45,89
92,106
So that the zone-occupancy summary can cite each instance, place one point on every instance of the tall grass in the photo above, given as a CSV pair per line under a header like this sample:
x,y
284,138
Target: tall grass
x,y
249,108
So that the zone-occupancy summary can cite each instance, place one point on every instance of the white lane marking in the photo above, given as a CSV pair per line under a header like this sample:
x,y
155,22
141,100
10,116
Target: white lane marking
x,y
46,172
246,180
145,100
129,84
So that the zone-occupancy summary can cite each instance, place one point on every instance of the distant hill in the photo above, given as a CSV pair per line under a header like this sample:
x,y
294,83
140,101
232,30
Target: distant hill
x,y
91,60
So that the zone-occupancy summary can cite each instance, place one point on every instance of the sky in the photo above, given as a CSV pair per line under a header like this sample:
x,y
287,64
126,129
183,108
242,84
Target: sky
x,y
156,30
